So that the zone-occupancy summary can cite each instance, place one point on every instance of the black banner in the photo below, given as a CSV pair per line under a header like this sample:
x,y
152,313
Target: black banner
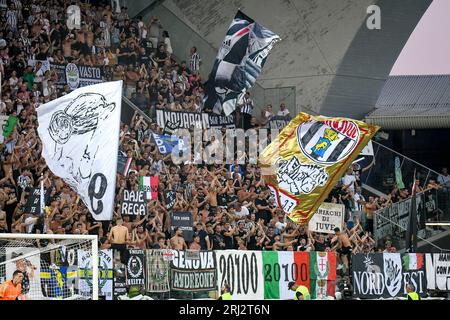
x,y
136,268
184,221
171,196
34,200
77,76
278,122
119,269
385,275
193,271
196,120
133,203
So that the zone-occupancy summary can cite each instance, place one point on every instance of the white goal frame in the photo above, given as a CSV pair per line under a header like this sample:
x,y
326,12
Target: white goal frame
x,y
92,238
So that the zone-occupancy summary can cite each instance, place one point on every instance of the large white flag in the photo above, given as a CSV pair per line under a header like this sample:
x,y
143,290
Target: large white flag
x,y
80,136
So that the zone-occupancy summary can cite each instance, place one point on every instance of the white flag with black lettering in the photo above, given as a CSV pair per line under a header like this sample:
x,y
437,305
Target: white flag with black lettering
x,y
80,137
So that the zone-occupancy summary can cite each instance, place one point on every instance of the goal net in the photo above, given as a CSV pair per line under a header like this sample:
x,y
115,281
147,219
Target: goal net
x,y
55,267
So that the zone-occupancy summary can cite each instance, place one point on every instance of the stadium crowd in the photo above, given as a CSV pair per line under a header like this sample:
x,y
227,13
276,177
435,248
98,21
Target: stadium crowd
x,y
231,206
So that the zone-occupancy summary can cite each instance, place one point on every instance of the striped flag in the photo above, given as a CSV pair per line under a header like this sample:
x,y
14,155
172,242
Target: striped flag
x,y
314,270
126,169
413,261
150,186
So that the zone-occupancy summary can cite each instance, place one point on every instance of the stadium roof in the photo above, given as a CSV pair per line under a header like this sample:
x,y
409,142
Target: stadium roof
x,y
413,102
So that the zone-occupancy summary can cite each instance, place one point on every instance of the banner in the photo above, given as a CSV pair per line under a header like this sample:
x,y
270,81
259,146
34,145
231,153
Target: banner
x,y
385,275
133,203
438,271
314,270
149,185
105,272
220,121
243,271
398,215
77,76
172,120
80,137
157,271
307,159
278,122
119,283
327,217
171,197
184,221
238,64
193,271
33,204
136,268
183,119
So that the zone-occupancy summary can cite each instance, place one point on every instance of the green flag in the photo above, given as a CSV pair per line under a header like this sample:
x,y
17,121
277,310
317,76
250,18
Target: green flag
x,y
9,126
398,174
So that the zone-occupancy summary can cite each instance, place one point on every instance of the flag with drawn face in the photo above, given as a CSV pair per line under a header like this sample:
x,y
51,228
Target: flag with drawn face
x,y
238,64
307,159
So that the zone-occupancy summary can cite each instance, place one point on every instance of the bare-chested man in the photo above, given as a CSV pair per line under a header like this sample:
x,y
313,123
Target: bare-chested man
x,y
177,241
118,238
343,246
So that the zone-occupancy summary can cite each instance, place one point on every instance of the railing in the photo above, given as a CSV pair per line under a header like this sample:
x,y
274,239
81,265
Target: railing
x,y
391,223
392,169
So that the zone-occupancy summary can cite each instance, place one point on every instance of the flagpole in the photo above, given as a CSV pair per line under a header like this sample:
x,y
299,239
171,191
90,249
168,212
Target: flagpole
x,y
42,198
411,232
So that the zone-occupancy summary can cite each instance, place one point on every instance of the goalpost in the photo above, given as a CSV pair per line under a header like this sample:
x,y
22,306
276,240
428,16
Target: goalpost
x,y
56,267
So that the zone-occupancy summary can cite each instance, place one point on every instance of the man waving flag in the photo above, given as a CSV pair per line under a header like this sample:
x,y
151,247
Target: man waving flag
x,y
238,63
80,137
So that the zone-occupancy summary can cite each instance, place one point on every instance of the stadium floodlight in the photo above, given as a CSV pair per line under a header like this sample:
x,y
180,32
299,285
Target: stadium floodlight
x,y
50,263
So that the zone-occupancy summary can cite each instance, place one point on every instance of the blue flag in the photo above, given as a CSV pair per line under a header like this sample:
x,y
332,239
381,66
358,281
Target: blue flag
x,y
169,144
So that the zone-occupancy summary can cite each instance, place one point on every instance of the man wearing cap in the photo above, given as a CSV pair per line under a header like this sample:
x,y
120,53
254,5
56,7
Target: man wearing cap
x,y
301,292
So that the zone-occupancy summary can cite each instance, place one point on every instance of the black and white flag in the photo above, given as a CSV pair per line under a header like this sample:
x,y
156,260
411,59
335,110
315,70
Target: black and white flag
x,y
80,137
238,63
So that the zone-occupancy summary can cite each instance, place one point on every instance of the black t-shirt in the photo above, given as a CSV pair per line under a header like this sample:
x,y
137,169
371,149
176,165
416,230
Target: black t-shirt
x,y
229,241
231,198
320,246
222,199
216,239
264,214
123,60
203,234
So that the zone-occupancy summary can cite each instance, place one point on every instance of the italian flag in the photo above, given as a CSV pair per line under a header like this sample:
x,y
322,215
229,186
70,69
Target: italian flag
x,y
412,261
150,186
314,270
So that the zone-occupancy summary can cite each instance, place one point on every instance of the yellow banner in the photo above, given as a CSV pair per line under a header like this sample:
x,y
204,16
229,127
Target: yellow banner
x,y
307,159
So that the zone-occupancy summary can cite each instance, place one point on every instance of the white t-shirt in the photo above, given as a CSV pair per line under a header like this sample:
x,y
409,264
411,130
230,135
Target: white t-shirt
x,y
243,213
349,179
283,113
